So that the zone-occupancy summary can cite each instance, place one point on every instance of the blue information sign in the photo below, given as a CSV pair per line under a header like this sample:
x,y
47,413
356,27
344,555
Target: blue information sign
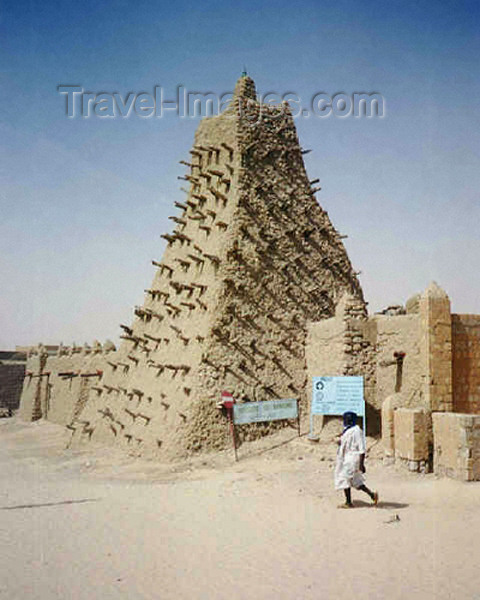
x,y
336,395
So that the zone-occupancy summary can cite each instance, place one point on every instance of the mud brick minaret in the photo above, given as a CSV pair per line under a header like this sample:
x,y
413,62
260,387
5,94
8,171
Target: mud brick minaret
x,y
251,259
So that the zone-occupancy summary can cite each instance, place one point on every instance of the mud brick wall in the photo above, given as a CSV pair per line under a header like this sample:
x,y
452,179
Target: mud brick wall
x,y
457,445
411,437
466,363
343,345
251,259
325,346
396,336
353,344
11,384
404,354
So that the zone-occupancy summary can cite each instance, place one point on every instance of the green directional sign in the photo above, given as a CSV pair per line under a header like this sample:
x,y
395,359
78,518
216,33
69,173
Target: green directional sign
x,y
268,410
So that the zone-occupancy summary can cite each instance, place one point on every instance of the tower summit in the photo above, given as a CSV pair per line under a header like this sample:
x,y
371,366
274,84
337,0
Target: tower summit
x,y
245,88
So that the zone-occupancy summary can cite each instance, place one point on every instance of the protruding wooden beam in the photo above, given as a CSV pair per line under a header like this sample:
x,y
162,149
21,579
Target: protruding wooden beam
x,y
182,262
191,178
197,217
202,287
165,267
96,374
177,286
130,413
197,259
151,337
214,259
131,338
184,238
172,307
170,238
189,305
178,220
200,197
227,147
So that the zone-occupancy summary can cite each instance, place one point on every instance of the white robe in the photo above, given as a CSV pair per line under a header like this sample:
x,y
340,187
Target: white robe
x,y
347,468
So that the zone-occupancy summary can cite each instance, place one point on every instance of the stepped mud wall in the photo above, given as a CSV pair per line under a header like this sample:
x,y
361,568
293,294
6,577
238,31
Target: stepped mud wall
x,y
251,260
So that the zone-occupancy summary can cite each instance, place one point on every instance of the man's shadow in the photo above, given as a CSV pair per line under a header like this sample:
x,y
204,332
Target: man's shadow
x,y
381,504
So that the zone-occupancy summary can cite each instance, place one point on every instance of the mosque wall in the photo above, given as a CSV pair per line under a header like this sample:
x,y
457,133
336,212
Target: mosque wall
x,y
252,258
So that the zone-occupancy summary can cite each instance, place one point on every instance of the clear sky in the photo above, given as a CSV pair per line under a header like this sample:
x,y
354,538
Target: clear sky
x,y
83,201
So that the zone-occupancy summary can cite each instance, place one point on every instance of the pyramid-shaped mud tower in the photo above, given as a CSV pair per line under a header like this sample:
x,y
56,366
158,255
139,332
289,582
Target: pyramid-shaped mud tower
x,y
251,259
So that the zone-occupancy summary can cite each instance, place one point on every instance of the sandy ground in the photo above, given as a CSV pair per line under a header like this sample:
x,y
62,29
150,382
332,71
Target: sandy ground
x,y
99,525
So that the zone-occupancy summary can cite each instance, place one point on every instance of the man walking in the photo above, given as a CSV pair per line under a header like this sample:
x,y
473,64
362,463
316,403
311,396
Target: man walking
x,y
350,465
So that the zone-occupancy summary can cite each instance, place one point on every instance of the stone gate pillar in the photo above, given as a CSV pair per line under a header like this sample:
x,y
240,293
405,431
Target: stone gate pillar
x,y
436,348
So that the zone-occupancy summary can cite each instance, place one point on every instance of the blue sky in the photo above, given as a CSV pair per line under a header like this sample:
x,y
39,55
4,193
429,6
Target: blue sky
x,y
83,201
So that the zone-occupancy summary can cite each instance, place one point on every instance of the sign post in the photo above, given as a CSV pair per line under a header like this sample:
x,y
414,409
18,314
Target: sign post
x,y
228,403
337,395
257,412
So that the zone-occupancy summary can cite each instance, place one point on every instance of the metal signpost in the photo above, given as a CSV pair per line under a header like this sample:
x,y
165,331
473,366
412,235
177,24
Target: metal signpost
x,y
335,396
